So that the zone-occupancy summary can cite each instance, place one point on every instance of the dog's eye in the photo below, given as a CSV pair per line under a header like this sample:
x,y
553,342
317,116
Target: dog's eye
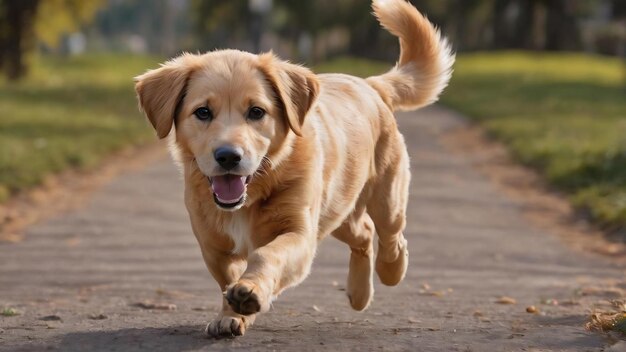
x,y
256,113
203,114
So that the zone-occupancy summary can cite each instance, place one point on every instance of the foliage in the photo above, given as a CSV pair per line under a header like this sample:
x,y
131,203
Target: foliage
x,y
24,22
68,113
58,17
555,25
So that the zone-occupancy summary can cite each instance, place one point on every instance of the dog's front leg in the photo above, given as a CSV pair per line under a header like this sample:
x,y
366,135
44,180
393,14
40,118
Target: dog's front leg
x,y
226,268
279,264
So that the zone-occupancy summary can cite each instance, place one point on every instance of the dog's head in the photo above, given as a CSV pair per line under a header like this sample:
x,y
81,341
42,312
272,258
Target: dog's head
x,y
232,112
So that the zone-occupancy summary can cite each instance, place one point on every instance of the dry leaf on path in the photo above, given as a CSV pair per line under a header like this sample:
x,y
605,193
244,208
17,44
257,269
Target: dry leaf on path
x,y
151,305
506,300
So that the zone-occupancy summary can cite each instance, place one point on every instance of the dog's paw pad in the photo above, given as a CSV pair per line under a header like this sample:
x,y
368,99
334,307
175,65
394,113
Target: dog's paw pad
x,y
226,327
244,298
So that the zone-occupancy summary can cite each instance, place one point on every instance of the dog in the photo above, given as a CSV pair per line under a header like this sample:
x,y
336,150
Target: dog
x,y
275,158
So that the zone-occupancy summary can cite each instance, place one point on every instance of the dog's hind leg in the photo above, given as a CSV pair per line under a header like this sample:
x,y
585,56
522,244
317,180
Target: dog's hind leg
x,y
387,207
358,233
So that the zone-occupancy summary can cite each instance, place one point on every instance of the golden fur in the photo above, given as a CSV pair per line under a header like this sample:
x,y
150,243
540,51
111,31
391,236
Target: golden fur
x,y
327,158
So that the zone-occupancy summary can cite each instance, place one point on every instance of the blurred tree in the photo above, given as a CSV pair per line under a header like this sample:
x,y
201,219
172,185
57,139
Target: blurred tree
x,y
16,35
562,32
23,22
464,23
217,22
155,26
471,24
538,24
58,17
314,19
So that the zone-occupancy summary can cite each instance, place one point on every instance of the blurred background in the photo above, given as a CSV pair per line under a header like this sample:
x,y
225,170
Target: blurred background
x,y
545,77
308,31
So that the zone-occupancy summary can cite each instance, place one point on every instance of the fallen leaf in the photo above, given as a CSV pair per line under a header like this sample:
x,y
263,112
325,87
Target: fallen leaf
x,y
506,300
171,293
606,322
151,305
620,324
431,293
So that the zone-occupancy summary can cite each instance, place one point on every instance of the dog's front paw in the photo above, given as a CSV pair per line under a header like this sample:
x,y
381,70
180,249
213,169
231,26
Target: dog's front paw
x,y
228,326
246,298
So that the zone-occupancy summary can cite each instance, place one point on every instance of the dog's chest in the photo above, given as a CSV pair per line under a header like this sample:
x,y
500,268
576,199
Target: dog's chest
x,y
238,229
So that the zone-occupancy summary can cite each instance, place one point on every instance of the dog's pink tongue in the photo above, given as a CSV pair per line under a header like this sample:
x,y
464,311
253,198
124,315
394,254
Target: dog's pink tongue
x,y
229,188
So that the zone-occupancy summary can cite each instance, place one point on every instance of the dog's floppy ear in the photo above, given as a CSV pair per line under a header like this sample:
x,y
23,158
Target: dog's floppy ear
x,y
295,86
160,91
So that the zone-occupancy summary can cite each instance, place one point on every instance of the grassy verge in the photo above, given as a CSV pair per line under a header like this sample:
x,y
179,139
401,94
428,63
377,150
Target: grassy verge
x,y
562,114
68,113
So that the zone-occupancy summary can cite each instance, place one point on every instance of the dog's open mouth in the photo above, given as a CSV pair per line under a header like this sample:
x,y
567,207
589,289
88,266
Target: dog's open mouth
x,y
229,191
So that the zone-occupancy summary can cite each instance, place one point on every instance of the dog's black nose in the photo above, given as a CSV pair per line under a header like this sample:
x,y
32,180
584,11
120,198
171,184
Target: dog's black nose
x,y
228,157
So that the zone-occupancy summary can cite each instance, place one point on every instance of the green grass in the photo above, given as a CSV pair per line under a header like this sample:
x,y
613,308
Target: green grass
x,y
69,113
562,114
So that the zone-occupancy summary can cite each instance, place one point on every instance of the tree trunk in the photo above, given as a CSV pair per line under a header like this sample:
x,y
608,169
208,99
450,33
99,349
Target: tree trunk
x,y
501,38
562,32
17,35
522,36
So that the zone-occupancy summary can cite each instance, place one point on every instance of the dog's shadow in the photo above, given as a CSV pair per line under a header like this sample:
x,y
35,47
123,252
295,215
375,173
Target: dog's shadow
x,y
193,338
177,338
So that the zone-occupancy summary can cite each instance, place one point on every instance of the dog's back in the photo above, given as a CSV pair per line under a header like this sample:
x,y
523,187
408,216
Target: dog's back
x,y
354,116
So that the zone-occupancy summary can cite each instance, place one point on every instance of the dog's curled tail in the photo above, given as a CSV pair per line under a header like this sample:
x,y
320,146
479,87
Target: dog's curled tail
x,y
426,59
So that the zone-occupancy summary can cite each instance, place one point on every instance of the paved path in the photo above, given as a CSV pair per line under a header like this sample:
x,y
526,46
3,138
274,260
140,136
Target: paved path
x,y
469,245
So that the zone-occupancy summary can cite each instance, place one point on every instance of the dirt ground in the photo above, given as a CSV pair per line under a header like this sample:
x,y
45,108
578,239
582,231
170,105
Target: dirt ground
x,y
123,272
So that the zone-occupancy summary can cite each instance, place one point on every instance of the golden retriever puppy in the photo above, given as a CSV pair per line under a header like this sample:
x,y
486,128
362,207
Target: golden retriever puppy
x,y
275,158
